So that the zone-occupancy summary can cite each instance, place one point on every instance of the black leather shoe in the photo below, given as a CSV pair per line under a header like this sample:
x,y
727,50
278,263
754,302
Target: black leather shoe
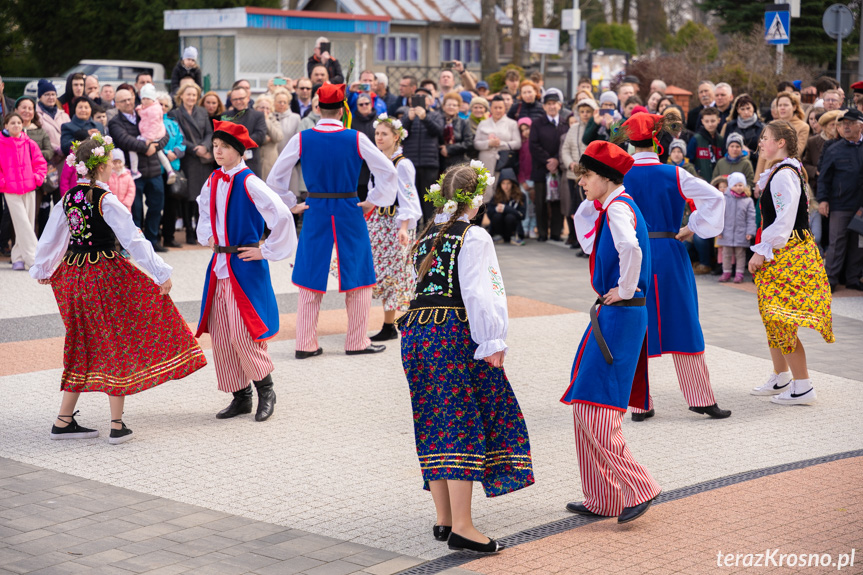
x,y
542,239
632,513
459,543
712,410
642,416
191,238
582,510
388,331
241,404
372,348
855,286
159,248
299,354
441,532
266,398
170,243
832,288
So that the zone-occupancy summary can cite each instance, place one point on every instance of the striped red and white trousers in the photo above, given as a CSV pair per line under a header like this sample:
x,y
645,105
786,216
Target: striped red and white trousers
x,y
694,381
239,359
610,477
358,302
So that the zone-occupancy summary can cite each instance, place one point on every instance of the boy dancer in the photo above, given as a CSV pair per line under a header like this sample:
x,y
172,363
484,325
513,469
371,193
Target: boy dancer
x,y
331,157
661,192
239,307
609,374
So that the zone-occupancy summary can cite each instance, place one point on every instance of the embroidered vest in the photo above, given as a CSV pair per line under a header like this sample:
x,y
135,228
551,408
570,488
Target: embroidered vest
x,y
90,232
768,210
391,209
440,286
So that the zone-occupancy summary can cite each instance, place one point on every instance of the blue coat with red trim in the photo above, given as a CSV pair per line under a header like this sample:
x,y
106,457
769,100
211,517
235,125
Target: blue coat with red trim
x,y
624,381
250,280
331,164
672,300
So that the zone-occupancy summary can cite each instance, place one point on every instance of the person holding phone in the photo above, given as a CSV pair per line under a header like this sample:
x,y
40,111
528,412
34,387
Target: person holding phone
x,y
425,128
598,127
366,86
323,56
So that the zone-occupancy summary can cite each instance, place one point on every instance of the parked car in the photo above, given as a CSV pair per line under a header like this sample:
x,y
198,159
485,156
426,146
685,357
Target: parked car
x,y
114,72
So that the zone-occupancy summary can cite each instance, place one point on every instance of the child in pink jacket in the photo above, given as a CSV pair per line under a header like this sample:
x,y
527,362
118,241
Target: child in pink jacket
x,y
121,183
151,128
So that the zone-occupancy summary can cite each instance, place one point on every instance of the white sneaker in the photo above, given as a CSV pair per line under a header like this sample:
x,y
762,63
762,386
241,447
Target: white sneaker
x,y
178,225
777,383
172,177
790,397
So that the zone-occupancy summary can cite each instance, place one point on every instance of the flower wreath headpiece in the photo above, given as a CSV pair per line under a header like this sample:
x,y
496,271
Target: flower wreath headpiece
x,y
401,132
474,198
100,155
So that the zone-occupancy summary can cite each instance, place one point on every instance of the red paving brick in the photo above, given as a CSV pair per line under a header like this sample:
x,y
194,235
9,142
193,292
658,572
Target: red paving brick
x,y
818,509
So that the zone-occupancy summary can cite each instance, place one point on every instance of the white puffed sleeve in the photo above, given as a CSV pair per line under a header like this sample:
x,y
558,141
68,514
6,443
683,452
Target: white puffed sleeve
x,y
204,229
708,219
282,240
785,189
585,224
279,179
52,245
409,201
483,292
621,223
120,219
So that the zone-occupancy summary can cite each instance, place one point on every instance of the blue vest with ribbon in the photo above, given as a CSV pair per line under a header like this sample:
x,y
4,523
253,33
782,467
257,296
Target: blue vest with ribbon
x,y
250,280
623,382
331,164
672,301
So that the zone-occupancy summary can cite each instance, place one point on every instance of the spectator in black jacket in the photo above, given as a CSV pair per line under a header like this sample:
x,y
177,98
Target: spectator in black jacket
x,y
840,196
421,147
545,138
506,209
744,120
364,121
301,103
707,97
407,88
254,121
124,131
334,68
527,106
187,67
457,139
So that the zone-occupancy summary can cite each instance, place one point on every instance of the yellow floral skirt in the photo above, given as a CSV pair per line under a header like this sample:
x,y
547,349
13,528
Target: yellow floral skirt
x,y
793,292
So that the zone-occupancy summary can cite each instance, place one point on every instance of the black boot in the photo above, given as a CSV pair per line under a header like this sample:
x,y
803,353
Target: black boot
x,y
242,403
266,398
388,331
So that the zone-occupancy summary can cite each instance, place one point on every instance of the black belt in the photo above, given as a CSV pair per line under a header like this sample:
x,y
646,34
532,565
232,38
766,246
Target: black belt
x,y
594,322
654,235
232,249
332,196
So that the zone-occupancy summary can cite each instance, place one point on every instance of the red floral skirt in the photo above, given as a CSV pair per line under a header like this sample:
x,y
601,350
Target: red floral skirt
x,y
122,337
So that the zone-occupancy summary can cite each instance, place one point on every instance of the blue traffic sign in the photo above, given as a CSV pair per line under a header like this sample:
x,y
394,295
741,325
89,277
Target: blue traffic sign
x,y
777,27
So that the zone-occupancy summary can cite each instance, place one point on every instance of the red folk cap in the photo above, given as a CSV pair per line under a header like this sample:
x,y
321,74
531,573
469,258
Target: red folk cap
x,y
331,96
641,127
235,135
606,159
857,87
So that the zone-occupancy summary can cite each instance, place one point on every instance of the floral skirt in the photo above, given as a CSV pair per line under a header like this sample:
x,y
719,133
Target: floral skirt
x,y
122,337
467,422
395,282
793,292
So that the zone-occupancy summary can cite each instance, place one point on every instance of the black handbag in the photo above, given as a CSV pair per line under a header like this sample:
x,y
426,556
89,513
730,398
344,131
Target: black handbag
x,y
506,159
180,186
856,224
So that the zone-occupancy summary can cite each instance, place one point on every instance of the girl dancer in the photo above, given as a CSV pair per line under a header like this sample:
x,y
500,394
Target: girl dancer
x,y
467,422
793,290
123,335
391,230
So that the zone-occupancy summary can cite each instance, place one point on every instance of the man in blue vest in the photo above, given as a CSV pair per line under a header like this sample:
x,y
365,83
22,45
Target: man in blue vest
x,y
331,156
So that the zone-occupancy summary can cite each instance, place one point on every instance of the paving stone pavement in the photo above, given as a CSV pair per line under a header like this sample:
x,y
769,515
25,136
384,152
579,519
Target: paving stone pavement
x,y
331,484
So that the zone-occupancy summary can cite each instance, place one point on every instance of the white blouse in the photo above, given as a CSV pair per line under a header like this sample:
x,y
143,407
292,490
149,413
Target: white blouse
x,y
282,240
786,192
482,290
55,240
409,201
621,223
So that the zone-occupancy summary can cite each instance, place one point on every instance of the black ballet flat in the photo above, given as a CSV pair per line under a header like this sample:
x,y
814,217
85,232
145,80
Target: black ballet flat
x,y
441,532
300,354
642,416
459,543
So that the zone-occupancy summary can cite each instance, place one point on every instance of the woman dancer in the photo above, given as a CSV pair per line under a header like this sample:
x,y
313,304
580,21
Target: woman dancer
x,y
793,290
391,230
123,335
468,425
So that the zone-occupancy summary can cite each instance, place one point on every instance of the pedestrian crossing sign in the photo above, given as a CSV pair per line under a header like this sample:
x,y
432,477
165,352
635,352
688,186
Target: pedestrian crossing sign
x,y
777,27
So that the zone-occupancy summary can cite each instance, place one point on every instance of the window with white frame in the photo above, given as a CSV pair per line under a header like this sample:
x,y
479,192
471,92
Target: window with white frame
x,y
397,48
462,48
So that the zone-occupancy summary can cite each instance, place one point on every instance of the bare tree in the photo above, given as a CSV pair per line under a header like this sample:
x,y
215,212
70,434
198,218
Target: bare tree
x,y
517,55
652,23
488,33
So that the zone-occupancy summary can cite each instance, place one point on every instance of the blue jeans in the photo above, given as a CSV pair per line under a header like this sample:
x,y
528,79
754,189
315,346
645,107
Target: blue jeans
x,y
154,190
703,250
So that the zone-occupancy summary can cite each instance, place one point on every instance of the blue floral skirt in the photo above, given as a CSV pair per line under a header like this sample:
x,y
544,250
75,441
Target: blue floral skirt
x,y
467,422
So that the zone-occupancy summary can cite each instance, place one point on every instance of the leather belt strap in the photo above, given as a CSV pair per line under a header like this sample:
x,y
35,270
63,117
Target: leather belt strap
x,y
654,235
597,331
232,249
332,196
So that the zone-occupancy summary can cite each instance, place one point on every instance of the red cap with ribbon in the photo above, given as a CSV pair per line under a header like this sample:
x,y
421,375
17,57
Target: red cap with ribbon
x,y
331,96
642,129
235,135
606,159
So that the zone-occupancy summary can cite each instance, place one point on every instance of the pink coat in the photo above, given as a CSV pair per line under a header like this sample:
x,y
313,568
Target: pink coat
x,y
68,178
152,124
123,186
22,165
